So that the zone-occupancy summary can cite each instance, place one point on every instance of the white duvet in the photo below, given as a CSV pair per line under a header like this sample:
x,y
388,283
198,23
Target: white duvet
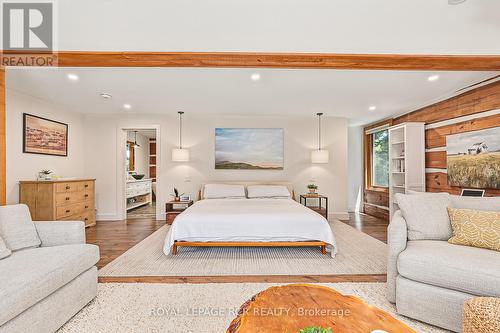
x,y
249,220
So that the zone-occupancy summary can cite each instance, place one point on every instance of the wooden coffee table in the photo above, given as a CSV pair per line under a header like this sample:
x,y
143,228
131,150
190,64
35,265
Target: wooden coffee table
x,y
294,307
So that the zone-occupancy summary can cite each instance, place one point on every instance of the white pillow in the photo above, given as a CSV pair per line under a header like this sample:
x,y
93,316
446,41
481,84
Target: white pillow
x,y
4,250
426,215
223,191
268,191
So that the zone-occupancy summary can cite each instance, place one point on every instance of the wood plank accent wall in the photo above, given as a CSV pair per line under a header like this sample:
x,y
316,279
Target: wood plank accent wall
x,y
473,102
3,180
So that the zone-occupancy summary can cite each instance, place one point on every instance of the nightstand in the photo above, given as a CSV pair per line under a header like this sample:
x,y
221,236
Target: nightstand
x,y
321,208
174,208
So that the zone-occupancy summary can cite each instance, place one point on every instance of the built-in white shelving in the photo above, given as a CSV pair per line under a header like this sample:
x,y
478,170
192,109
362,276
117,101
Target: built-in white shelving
x,y
406,160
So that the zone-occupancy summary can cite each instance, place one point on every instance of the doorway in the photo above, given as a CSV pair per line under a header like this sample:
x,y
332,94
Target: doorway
x,y
140,151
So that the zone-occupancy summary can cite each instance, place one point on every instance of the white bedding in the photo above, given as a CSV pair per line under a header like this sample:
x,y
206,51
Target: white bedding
x,y
249,220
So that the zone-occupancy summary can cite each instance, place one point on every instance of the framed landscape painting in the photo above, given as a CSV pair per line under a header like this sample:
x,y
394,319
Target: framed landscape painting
x,y
473,159
44,136
249,148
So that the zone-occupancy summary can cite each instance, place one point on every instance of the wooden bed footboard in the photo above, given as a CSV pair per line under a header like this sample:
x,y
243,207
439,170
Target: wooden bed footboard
x,y
250,244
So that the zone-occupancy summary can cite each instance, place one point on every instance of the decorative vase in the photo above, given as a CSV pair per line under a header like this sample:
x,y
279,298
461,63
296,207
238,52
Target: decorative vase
x,y
177,199
312,190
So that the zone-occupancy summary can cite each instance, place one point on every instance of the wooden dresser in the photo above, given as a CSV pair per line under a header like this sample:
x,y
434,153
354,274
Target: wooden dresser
x,y
70,200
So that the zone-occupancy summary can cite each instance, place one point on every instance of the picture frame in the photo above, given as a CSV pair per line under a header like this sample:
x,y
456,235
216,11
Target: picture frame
x,y
44,136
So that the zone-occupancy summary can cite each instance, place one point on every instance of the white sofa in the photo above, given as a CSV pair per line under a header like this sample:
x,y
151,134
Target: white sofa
x,y
430,279
43,285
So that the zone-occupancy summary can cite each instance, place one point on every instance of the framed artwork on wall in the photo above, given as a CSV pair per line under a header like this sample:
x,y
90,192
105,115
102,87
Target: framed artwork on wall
x,y
473,159
249,148
44,136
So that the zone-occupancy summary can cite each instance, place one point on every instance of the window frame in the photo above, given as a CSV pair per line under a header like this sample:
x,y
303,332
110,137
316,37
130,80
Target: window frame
x,y
372,166
368,147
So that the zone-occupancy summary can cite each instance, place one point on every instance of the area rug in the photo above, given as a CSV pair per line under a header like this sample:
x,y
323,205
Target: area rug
x,y
358,253
207,308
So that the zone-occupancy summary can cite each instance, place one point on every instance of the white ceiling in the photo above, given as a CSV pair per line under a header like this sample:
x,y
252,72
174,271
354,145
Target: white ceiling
x,y
231,91
343,26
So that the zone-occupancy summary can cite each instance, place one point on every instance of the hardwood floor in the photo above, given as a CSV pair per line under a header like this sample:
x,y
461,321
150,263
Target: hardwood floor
x,y
116,237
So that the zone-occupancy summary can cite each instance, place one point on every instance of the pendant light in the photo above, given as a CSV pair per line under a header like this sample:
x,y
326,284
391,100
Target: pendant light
x,y
180,154
319,155
136,145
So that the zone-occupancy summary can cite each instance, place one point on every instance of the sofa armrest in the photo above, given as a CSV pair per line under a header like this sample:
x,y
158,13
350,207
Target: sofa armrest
x,y
397,236
54,233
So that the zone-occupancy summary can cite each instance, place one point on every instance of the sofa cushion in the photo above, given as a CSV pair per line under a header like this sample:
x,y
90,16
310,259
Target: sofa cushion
x,y
30,275
482,203
16,227
426,215
461,268
4,250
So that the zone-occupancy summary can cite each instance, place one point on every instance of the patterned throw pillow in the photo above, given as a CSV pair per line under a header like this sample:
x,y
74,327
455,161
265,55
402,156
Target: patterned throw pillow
x,y
475,228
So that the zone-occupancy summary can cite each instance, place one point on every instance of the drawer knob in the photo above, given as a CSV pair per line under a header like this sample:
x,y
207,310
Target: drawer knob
x,y
67,211
86,195
86,185
86,219
68,187
86,206
67,198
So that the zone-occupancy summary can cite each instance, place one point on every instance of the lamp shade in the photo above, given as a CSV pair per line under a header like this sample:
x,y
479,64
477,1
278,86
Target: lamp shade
x,y
320,156
180,155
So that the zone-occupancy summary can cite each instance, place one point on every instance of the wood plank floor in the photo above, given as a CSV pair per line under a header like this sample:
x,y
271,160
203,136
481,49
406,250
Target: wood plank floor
x,y
116,237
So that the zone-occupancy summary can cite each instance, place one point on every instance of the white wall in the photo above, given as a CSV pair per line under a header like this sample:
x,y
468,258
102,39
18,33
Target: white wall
x,y
300,138
22,166
355,168
141,153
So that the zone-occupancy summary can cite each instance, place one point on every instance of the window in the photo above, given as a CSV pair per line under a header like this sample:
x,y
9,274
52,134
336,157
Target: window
x,y
380,158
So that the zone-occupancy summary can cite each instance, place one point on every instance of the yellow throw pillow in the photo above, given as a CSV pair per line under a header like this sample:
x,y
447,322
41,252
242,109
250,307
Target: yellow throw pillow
x,y
475,228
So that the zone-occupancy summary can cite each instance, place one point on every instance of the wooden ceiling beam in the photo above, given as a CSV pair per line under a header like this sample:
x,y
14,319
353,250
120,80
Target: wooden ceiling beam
x,y
280,60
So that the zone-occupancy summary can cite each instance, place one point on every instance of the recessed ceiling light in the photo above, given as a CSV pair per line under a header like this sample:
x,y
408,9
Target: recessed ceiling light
x,y
105,95
372,108
127,106
433,78
73,77
255,76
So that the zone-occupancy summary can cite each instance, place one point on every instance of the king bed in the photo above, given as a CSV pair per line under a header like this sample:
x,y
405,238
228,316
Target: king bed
x,y
256,215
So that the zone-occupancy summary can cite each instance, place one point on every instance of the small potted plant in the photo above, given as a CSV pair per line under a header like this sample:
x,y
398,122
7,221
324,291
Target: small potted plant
x,y
44,175
176,195
312,188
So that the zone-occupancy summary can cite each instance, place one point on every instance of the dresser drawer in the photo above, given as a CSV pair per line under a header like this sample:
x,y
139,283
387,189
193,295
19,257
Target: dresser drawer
x,y
68,210
88,187
89,218
69,198
69,187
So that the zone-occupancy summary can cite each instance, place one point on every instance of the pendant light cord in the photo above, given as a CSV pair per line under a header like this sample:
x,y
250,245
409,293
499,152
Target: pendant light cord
x,y
180,129
319,129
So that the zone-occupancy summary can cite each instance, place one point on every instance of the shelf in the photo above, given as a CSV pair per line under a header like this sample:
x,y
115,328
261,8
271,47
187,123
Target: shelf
x,y
398,172
152,155
137,204
399,158
398,186
397,143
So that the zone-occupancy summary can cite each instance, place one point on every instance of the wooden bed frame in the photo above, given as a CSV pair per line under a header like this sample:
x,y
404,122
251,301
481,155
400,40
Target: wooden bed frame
x,y
322,245
250,244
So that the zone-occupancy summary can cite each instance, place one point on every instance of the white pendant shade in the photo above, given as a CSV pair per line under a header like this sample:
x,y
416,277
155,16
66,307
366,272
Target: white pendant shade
x,y
320,156
180,155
